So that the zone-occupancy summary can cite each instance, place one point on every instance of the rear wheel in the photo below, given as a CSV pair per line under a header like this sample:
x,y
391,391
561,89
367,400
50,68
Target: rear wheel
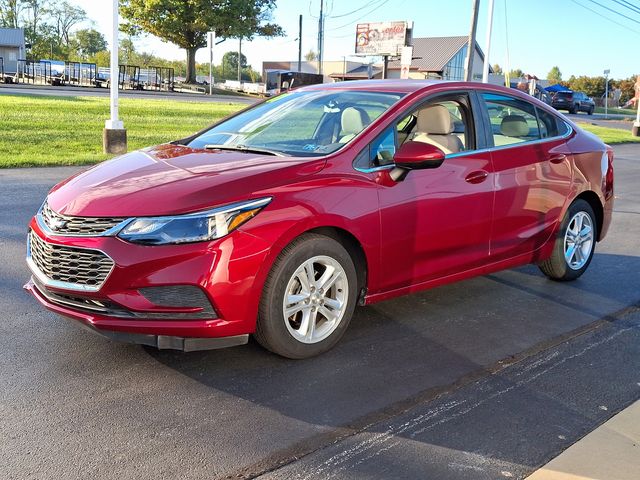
x,y
573,109
575,244
308,299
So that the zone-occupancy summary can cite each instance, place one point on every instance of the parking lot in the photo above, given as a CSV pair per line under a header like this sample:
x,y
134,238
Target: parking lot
x,y
487,378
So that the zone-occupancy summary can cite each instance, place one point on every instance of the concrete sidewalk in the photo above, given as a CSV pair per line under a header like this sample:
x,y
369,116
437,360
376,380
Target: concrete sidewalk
x,y
610,452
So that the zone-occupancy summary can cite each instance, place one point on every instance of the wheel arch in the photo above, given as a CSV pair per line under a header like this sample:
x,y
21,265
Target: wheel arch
x,y
593,200
353,246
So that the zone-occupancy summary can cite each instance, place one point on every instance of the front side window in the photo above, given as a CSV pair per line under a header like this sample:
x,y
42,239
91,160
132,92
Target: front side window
x,y
512,120
303,123
383,148
445,123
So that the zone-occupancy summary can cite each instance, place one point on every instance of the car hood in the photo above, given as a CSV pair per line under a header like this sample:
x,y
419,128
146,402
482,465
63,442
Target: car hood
x,y
173,179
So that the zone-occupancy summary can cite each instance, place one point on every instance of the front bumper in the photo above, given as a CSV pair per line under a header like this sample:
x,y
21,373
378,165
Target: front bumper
x,y
162,342
224,270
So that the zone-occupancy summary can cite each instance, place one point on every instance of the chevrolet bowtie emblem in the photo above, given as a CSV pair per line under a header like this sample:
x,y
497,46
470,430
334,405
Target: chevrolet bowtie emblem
x,y
57,223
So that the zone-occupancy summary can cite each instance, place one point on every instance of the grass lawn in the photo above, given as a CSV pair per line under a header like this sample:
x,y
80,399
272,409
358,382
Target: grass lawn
x,y
39,131
610,135
617,111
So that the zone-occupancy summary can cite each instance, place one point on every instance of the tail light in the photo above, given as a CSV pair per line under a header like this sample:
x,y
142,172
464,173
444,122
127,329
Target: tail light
x,y
607,173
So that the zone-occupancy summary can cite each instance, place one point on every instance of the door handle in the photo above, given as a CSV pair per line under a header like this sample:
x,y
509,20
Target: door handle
x,y
558,158
478,176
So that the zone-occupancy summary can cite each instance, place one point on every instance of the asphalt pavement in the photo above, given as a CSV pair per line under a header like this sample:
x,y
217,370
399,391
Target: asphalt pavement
x,y
486,378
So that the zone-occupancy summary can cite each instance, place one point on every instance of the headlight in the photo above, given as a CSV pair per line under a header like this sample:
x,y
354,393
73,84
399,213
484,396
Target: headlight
x,y
193,227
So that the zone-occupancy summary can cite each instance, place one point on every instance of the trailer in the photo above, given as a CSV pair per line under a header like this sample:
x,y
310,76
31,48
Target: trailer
x,y
279,81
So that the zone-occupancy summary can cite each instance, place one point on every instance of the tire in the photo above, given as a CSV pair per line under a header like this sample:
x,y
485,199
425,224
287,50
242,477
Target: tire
x,y
557,267
291,336
573,110
590,112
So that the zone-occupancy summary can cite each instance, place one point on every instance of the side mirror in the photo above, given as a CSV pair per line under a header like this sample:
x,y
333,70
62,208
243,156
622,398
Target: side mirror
x,y
418,155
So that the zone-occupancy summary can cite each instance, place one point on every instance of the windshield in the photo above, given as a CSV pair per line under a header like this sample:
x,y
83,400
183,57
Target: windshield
x,y
304,123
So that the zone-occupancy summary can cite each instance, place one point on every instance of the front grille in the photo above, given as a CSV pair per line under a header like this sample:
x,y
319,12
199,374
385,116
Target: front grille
x,y
83,267
87,226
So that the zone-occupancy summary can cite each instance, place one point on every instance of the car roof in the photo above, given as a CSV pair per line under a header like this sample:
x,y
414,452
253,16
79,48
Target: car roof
x,y
404,86
394,85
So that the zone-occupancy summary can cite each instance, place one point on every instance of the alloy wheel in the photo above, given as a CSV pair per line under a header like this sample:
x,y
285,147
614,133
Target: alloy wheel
x,y
578,240
315,299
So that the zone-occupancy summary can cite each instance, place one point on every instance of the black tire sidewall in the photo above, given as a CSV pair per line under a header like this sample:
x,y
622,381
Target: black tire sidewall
x,y
558,254
271,318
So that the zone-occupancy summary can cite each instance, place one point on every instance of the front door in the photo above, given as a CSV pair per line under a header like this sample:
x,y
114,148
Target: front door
x,y
435,222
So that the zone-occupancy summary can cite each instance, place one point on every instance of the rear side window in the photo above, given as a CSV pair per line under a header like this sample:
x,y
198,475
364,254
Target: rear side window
x,y
512,120
548,124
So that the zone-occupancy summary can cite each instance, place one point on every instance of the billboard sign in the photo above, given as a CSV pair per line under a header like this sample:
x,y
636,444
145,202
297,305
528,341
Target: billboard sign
x,y
381,38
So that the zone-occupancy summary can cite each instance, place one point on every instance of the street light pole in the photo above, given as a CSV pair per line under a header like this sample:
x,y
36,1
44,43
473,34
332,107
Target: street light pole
x,y
485,68
114,137
211,40
606,92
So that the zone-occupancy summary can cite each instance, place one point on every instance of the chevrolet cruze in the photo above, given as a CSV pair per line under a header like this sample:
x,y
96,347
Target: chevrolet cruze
x,y
279,220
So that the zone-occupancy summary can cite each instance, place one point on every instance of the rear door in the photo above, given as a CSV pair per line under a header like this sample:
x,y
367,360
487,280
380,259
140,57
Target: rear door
x,y
532,174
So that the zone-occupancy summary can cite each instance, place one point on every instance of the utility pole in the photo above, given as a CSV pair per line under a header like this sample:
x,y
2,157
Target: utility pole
x,y
485,67
468,64
320,36
606,91
300,44
114,137
635,130
211,40
240,59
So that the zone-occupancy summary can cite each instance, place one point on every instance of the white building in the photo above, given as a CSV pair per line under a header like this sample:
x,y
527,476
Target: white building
x,y
12,48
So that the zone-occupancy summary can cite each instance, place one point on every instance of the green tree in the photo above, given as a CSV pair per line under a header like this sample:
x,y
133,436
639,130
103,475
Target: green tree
x,y
310,56
592,86
554,76
10,13
516,73
67,16
230,61
127,53
87,42
186,22
35,12
627,87
497,69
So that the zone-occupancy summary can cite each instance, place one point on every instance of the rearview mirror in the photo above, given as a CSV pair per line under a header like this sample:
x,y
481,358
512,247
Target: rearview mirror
x,y
418,155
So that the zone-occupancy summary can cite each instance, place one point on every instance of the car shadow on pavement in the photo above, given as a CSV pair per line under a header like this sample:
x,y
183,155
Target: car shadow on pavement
x,y
400,348
403,353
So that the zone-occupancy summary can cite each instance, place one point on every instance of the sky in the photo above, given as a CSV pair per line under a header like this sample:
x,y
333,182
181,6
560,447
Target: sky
x,y
581,37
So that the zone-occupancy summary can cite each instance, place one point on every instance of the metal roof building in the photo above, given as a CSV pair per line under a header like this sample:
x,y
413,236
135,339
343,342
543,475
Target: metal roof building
x,y
441,58
12,48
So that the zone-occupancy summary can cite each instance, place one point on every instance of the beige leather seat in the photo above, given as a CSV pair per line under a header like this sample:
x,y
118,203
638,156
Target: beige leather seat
x,y
434,126
513,129
352,122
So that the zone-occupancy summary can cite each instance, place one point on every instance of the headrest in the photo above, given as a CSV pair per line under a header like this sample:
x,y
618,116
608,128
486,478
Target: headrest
x,y
353,121
434,120
514,126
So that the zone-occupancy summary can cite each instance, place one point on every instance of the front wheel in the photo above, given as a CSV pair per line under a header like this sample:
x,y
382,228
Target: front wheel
x,y
308,299
575,244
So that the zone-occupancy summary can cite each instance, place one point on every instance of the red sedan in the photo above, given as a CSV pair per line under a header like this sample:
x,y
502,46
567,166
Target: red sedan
x,y
279,220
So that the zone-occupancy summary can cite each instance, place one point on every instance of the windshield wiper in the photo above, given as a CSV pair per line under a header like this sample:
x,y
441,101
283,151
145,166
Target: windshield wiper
x,y
244,149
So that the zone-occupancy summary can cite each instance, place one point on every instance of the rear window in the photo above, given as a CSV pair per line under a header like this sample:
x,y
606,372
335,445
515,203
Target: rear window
x,y
563,94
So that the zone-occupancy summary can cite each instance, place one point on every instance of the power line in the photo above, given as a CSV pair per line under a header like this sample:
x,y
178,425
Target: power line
x,y
357,10
606,18
628,5
615,11
350,24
